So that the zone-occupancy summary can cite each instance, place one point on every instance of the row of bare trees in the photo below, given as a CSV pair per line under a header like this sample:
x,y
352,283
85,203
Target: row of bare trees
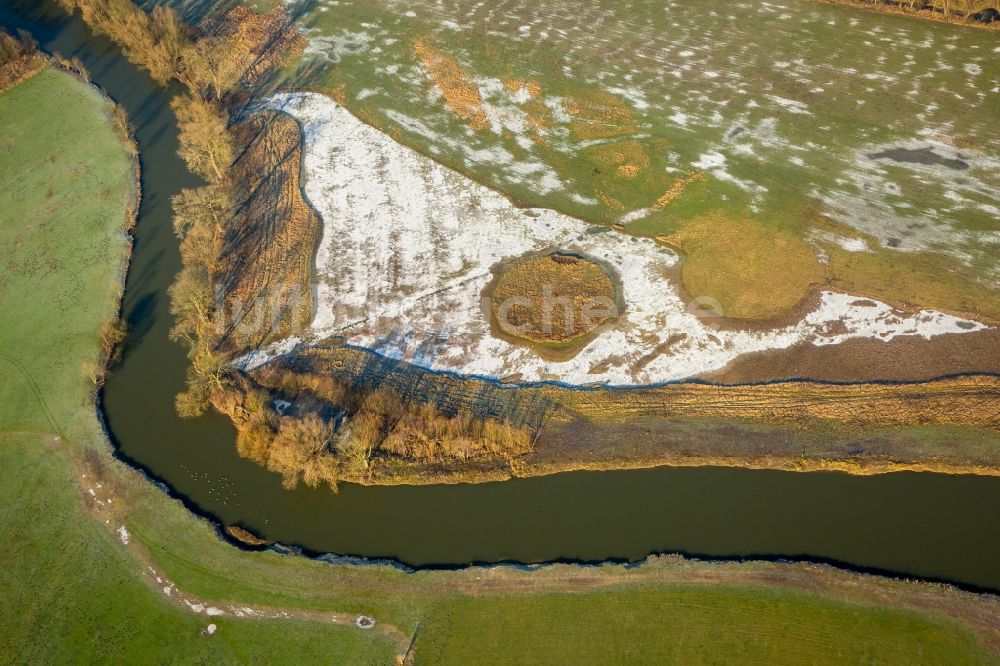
x,y
969,10
163,45
211,65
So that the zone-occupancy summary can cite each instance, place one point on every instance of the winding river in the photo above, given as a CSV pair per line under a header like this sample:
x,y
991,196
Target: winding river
x,y
927,525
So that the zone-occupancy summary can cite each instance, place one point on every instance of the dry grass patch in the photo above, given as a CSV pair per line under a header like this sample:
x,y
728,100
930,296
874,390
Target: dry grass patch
x,y
678,187
454,82
624,159
512,85
267,265
752,271
598,115
553,299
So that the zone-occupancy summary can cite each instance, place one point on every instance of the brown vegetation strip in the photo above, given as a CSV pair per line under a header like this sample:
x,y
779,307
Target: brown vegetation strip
x,y
966,401
678,187
266,267
454,82
19,59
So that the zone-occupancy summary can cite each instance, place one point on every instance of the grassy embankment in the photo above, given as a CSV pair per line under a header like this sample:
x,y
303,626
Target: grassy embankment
x,y
75,591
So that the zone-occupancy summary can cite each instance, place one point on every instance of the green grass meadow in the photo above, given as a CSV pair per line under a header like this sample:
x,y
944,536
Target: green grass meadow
x,y
70,592
684,625
67,182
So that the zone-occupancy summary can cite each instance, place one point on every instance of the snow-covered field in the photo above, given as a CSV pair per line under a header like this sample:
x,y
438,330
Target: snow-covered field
x,y
407,251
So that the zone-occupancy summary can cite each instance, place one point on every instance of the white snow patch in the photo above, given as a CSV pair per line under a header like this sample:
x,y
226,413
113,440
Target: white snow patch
x,y
709,161
580,199
849,244
333,47
790,105
408,247
633,95
871,319
123,534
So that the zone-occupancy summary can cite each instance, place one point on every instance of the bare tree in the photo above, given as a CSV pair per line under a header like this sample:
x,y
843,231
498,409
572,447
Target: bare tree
x,y
303,451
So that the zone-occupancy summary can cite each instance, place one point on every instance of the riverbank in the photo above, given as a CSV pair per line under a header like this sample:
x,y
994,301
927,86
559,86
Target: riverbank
x,y
858,428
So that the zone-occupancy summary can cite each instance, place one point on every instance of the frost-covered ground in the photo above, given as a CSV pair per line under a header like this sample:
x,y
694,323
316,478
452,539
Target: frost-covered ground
x,y
407,251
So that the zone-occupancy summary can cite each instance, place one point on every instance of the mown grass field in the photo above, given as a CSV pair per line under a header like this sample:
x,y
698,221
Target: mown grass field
x,y
67,183
72,591
73,594
741,133
682,626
